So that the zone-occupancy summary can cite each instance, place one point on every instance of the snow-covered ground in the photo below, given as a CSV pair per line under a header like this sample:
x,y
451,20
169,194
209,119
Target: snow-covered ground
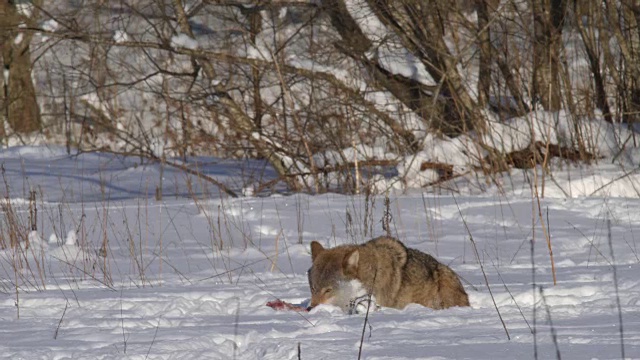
x,y
111,272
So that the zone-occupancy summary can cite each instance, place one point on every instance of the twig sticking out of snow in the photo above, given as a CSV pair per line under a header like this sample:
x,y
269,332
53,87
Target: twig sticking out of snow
x,y
475,249
615,283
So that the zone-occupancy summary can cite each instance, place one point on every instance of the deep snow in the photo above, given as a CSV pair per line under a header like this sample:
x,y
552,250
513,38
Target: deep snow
x,y
189,276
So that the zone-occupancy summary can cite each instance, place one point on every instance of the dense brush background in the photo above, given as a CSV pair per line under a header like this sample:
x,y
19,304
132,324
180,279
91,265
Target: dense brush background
x,y
331,94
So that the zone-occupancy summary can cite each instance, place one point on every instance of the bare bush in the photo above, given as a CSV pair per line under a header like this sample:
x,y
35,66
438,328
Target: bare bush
x,y
318,89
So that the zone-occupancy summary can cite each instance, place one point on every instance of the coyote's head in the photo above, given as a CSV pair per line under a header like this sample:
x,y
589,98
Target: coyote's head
x,y
331,270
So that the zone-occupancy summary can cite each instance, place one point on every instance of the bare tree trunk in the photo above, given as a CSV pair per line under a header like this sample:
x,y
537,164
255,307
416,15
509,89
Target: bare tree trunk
x,y
631,19
498,51
617,32
590,41
420,25
255,27
548,20
484,44
449,108
98,61
23,113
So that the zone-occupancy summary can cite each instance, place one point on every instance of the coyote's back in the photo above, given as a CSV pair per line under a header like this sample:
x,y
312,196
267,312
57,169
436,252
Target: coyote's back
x,y
394,274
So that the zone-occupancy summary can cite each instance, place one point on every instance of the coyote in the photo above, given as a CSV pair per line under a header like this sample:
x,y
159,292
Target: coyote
x,y
394,274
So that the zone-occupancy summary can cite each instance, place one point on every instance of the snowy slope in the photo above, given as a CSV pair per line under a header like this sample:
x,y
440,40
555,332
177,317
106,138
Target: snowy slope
x,y
112,273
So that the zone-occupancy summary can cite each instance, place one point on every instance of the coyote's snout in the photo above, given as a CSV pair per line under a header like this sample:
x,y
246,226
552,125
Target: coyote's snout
x,y
394,274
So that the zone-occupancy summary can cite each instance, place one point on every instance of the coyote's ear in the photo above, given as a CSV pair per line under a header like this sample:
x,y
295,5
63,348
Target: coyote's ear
x,y
350,263
316,249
